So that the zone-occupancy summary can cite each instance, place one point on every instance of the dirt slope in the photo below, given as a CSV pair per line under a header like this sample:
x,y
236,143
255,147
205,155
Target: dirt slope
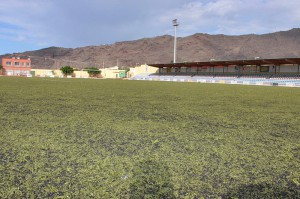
x,y
197,47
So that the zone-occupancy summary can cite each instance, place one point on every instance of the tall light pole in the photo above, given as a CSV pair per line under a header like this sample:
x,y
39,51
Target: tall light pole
x,y
175,24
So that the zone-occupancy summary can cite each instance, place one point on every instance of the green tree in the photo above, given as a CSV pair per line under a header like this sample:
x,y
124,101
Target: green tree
x,y
127,69
67,70
151,179
93,71
1,69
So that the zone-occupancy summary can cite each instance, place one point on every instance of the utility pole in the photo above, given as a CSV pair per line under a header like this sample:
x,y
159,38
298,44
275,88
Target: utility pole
x,y
175,24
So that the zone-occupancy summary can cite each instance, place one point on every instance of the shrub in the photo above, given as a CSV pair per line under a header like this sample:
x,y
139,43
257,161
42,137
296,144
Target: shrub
x,y
67,70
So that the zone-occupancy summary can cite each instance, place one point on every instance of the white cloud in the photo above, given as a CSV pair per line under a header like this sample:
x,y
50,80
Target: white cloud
x,y
71,23
236,16
23,19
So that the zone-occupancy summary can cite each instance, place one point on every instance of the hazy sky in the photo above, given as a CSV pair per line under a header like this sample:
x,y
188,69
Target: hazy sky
x,y
34,24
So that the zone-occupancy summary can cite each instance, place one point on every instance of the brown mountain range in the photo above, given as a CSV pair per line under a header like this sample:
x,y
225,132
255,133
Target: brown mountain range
x,y
197,47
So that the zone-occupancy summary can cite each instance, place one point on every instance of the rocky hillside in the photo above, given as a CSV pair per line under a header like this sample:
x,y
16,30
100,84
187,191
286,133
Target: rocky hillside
x,y
197,47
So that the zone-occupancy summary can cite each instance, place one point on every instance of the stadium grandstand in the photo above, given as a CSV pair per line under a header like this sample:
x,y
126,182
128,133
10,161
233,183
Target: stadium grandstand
x,y
269,72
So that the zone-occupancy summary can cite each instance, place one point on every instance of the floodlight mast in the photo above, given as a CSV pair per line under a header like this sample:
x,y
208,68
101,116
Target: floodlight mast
x,y
175,24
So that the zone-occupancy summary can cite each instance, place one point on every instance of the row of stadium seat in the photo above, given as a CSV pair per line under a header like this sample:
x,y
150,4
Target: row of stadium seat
x,y
261,79
236,75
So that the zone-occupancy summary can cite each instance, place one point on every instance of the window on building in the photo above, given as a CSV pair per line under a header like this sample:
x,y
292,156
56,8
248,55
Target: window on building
x,y
27,64
17,63
8,63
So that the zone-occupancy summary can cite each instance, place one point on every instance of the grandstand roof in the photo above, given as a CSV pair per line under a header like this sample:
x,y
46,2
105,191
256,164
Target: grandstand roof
x,y
232,62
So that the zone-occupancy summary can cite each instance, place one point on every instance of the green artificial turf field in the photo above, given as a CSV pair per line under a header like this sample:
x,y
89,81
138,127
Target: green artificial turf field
x,y
87,138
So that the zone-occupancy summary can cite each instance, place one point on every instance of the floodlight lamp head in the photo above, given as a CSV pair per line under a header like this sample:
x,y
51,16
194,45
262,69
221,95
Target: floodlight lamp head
x,y
175,23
